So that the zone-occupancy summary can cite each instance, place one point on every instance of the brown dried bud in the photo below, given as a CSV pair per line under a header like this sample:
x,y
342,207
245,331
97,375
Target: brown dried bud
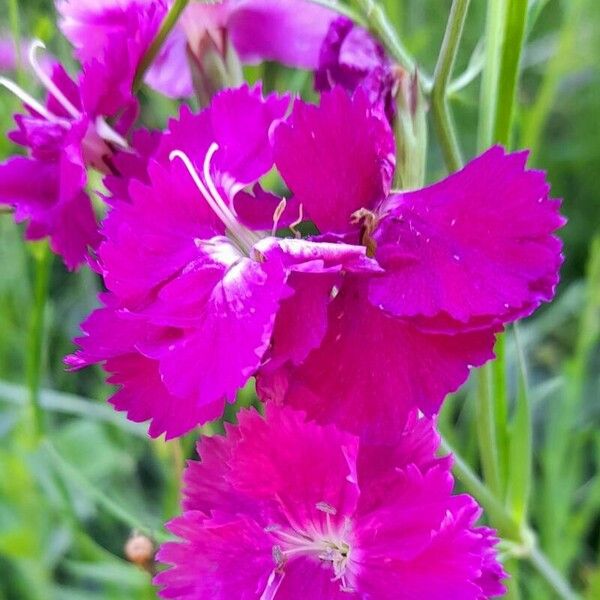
x,y
140,550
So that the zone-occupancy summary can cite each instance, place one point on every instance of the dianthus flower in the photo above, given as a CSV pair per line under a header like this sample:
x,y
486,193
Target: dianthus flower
x,y
64,137
288,31
194,271
459,259
281,508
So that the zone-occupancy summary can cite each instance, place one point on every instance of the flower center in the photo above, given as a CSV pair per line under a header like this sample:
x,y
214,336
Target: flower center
x,y
327,542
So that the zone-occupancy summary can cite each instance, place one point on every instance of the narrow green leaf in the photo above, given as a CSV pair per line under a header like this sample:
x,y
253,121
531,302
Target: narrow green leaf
x,y
494,32
70,404
500,400
486,431
520,466
514,37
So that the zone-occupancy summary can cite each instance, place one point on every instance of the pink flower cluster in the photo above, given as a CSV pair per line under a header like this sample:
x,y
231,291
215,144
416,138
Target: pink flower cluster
x,y
356,307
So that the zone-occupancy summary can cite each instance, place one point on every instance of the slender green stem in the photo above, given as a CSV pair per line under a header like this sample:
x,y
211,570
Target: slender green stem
x,y
442,117
514,37
558,583
486,431
379,24
474,68
507,526
42,265
494,509
166,27
494,29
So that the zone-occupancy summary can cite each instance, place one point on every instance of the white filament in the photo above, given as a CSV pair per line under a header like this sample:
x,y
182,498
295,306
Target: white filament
x,y
28,100
277,215
106,132
47,82
244,237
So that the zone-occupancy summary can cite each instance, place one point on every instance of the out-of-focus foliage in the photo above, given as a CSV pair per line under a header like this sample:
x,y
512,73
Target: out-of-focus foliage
x,y
68,507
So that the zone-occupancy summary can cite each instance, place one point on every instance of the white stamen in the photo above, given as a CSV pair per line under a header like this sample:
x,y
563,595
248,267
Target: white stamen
x,y
299,220
28,100
185,159
243,236
277,215
212,187
106,132
47,82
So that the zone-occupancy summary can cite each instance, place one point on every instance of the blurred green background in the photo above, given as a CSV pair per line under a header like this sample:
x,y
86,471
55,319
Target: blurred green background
x,y
67,507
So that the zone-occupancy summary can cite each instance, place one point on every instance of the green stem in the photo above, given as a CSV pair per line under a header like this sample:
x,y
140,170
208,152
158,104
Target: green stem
x,y
42,265
442,117
551,575
507,526
165,29
494,509
514,37
380,25
486,430
494,28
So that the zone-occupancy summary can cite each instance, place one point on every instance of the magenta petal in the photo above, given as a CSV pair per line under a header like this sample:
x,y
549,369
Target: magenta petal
x,y
398,527
113,337
170,73
132,164
257,210
225,348
287,31
316,257
284,508
68,87
306,578
239,121
336,158
152,238
217,561
110,39
324,470
242,121
458,553
292,339
51,198
479,245
207,483
144,397
30,186
372,370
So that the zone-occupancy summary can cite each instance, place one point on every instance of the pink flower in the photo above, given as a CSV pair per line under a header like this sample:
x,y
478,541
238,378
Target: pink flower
x,y
459,259
64,137
282,508
195,271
